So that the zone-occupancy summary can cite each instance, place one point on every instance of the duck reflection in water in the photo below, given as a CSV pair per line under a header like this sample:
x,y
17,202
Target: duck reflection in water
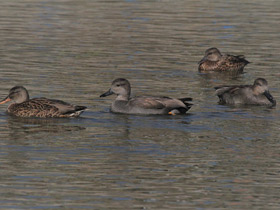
x,y
21,127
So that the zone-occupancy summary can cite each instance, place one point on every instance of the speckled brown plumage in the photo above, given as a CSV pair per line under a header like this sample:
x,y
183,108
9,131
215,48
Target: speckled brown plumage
x,y
39,107
215,61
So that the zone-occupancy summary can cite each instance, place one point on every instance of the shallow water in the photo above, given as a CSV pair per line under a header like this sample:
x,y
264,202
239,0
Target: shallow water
x,y
215,157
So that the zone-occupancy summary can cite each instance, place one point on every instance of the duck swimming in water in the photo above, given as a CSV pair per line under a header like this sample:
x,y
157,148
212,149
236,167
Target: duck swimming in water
x,y
213,60
38,107
143,104
256,94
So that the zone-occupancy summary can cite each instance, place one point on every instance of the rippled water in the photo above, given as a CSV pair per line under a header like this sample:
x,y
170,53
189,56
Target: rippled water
x,y
215,157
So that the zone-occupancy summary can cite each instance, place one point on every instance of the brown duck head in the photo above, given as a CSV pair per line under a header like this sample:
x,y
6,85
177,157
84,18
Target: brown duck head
x,y
212,54
18,94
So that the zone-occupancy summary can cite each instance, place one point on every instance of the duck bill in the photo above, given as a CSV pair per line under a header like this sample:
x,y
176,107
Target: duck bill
x,y
109,92
269,97
7,99
202,60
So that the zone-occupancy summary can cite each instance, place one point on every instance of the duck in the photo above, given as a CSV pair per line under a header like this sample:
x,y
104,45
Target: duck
x,y
23,106
146,105
215,61
256,94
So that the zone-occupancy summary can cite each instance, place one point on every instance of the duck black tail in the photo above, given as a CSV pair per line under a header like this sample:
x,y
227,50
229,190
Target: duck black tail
x,y
242,59
185,101
76,111
80,108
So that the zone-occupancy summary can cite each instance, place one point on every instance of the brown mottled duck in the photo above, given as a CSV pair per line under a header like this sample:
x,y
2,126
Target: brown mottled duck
x,y
38,107
213,60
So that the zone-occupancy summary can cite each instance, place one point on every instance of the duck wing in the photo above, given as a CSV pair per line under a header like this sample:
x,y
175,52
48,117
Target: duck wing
x,y
62,106
230,89
152,102
238,59
53,107
147,102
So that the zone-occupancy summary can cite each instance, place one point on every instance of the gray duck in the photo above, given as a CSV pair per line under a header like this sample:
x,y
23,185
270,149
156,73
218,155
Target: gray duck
x,y
256,94
143,104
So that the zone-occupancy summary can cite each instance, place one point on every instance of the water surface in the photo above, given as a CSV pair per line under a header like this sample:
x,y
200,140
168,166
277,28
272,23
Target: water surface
x,y
215,157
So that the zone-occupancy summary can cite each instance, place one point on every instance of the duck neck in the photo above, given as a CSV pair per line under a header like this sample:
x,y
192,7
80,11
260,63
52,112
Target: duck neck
x,y
257,90
123,97
23,97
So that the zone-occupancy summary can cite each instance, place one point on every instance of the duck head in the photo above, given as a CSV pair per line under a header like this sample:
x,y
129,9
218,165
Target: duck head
x,y
18,94
120,87
261,87
212,54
